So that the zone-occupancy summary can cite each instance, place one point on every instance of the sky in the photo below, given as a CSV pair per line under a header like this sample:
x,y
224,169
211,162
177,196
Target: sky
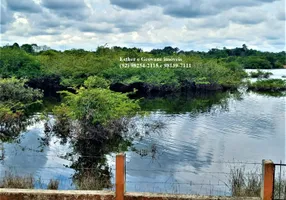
x,y
147,24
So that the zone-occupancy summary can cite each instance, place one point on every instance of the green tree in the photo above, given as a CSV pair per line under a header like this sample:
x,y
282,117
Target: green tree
x,y
98,105
16,96
96,82
256,63
28,48
16,62
16,102
16,46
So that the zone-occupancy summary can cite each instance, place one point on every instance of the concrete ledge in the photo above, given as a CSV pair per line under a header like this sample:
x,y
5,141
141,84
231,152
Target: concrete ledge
x,y
154,196
20,194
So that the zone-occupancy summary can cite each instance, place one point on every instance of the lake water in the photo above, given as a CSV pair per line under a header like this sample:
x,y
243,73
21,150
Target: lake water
x,y
203,137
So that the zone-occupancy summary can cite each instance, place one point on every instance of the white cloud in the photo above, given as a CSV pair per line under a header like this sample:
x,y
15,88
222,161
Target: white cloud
x,y
90,23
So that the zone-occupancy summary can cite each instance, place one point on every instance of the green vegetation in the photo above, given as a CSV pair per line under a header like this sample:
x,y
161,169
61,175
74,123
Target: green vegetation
x,y
96,120
73,67
260,74
97,104
268,85
83,78
16,102
271,93
16,97
17,62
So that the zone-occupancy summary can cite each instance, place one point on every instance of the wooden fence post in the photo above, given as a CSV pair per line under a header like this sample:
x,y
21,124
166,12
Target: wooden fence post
x,y
120,177
268,170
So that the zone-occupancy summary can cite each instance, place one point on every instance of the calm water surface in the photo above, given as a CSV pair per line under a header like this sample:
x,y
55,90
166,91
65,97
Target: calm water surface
x,y
193,153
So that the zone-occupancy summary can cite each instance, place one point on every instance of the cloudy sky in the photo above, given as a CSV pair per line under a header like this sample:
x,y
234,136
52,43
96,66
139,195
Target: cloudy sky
x,y
148,24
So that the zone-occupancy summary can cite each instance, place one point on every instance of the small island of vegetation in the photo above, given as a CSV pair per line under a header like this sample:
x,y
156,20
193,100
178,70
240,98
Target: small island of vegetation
x,y
260,74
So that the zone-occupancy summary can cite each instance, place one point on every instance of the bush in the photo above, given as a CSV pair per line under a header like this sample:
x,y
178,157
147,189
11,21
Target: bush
x,y
12,89
16,62
260,74
253,62
16,99
16,102
96,82
97,105
268,85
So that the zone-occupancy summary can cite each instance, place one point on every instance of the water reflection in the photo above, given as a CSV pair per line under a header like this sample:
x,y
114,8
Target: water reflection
x,y
197,146
11,128
27,156
192,103
182,140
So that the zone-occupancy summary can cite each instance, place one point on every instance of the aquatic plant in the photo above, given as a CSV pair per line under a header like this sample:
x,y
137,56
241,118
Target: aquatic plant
x,y
268,85
260,74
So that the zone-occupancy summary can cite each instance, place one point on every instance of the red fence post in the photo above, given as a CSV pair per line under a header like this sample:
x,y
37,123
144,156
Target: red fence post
x,y
268,170
120,177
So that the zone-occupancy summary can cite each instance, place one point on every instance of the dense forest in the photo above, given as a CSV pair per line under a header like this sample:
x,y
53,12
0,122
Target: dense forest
x,y
71,67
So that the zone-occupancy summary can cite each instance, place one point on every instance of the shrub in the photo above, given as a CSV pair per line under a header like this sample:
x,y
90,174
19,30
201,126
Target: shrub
x,y
16,62
16,102
96,82
97,105
260,74
268,85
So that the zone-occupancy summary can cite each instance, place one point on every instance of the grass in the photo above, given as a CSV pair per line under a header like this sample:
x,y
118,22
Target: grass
x,y
282,193
240,182
91,182
14,181
86,182
19,182
53,184
244,184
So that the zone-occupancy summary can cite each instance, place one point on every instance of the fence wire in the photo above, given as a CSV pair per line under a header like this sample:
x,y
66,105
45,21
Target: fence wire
x,y
215,178
147,174
279,181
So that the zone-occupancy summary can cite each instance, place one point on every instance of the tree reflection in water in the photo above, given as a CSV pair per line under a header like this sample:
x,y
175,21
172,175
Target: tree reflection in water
x,y
90,143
